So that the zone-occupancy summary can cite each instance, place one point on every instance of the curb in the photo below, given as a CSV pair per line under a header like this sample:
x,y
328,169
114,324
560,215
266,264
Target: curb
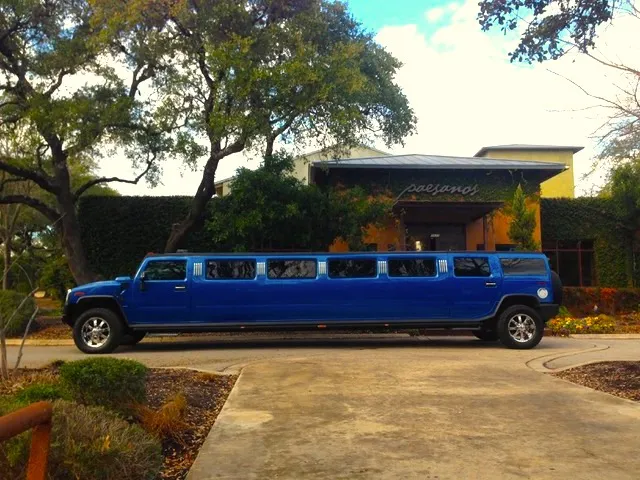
x,y
67,342
605,336
539,364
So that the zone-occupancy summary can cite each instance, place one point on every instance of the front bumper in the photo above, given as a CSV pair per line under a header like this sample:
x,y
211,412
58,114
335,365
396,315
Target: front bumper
x,y
548,311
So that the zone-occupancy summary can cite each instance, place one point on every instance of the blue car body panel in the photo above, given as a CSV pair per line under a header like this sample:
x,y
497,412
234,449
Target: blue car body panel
x,y
442,299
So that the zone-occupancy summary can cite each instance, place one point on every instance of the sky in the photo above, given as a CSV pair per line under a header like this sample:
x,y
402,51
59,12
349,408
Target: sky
x,y
465,92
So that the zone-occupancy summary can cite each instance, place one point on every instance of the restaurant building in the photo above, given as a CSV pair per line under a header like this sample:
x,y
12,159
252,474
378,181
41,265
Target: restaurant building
x,y
444,202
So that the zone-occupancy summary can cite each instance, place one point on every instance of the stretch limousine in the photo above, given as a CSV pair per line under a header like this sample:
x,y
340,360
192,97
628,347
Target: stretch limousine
x,y
500,296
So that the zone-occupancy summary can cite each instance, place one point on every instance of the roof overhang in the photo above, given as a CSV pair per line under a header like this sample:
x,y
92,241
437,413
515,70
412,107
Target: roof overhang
x,y
528,148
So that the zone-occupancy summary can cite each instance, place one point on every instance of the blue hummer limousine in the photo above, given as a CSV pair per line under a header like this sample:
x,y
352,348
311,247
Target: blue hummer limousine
x,y
504,296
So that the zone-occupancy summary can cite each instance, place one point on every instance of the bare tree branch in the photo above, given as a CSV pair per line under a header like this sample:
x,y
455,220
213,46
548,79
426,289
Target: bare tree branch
x,y
34,203
42,180
97,181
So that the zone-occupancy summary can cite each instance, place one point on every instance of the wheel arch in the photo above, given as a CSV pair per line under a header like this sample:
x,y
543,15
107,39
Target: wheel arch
x,y
97,301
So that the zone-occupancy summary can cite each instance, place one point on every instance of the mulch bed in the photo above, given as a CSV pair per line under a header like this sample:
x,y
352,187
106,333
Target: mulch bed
x,y
617,378
205,394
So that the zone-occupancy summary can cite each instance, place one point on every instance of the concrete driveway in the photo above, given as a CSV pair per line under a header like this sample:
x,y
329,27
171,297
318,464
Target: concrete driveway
x,y
457,411
441,408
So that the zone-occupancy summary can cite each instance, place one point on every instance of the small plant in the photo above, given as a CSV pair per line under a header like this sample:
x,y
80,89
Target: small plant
x,y
109,382
11,302
37,392
570,325
89,443
165,422
523,223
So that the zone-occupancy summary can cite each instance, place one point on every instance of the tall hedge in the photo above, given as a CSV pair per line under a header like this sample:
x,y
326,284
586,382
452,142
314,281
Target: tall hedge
x,y
588,218
117,232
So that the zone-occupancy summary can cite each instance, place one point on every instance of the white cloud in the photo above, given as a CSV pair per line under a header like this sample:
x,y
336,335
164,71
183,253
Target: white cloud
x,y
435,14
467,95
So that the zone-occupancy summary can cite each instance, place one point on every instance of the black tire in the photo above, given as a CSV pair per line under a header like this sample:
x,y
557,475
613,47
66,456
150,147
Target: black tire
x,y
486,335
132,338
524,315
556,285
98,318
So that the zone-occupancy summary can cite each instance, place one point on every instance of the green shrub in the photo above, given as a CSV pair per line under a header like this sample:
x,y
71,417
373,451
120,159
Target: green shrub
x,y
55,277
9,302
89,443
41,391
110,382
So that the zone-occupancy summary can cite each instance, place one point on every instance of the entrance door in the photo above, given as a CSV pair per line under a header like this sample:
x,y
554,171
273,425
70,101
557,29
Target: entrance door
x,y
436,237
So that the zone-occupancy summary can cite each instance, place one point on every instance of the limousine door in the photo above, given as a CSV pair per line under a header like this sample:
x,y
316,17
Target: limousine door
x,y
476,286
160,294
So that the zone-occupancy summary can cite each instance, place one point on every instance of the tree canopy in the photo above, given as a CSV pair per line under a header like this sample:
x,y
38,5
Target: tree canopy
x,y
269,209
523,222
552,27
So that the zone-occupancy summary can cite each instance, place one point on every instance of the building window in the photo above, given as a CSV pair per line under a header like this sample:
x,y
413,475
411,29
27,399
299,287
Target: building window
x,y
471,267
292,269
573,261
352,268
231,269
412,267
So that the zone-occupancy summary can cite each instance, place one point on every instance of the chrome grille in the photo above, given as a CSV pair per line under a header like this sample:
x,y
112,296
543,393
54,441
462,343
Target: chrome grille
x,y
382,266
442,264
322,268
197,269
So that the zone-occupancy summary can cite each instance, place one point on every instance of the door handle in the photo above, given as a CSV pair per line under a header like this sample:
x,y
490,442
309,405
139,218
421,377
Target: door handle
x,y
180,287
491,284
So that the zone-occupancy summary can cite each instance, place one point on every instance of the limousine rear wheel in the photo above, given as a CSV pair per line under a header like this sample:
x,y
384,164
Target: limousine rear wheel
x,y
520,327
97,330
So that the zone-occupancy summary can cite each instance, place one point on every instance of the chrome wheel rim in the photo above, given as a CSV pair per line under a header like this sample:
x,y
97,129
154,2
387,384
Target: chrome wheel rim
x,y
522,327
95,332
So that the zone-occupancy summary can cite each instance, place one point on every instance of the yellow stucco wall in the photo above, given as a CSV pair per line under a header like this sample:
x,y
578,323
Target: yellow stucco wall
x,y
562,185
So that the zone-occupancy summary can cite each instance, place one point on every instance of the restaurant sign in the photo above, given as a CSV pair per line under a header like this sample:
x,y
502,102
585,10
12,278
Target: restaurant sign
x,y
435,189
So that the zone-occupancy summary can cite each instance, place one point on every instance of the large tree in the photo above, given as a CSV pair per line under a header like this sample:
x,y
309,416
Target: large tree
x,y
269,209
549,29
256,71
70,89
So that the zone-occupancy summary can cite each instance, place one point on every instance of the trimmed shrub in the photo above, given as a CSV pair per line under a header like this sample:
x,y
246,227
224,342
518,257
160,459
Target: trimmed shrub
x,y
9,302
610,301
41,391
110,382
569,325
90,443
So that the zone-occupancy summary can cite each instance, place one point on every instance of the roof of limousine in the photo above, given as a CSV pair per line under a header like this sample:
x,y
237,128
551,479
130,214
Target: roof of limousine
x,y
301,254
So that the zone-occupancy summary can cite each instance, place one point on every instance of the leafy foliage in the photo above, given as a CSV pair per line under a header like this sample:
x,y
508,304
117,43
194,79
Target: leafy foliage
x,y
270,209
113,383
37,392
589,218
523,222
55,277
91,443
570,325
9,303
553,26
581,301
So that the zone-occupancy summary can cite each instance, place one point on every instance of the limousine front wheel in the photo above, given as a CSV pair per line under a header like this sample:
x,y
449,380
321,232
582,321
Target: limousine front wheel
x,y
520,327
97,330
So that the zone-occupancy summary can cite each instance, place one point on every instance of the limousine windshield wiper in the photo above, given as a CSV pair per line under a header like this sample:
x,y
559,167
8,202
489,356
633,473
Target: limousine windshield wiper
x,y
499,296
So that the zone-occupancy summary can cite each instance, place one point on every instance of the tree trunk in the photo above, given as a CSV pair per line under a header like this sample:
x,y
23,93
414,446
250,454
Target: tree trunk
x,y
71,241
206,189
7,263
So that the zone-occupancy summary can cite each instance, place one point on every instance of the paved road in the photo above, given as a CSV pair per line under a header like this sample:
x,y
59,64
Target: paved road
x,y
230,354
442,408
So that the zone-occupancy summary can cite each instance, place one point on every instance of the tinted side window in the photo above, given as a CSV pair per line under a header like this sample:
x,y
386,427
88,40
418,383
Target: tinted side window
x,y
523,266
412,267
166,270
352,268
292,269
231,269
471,267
